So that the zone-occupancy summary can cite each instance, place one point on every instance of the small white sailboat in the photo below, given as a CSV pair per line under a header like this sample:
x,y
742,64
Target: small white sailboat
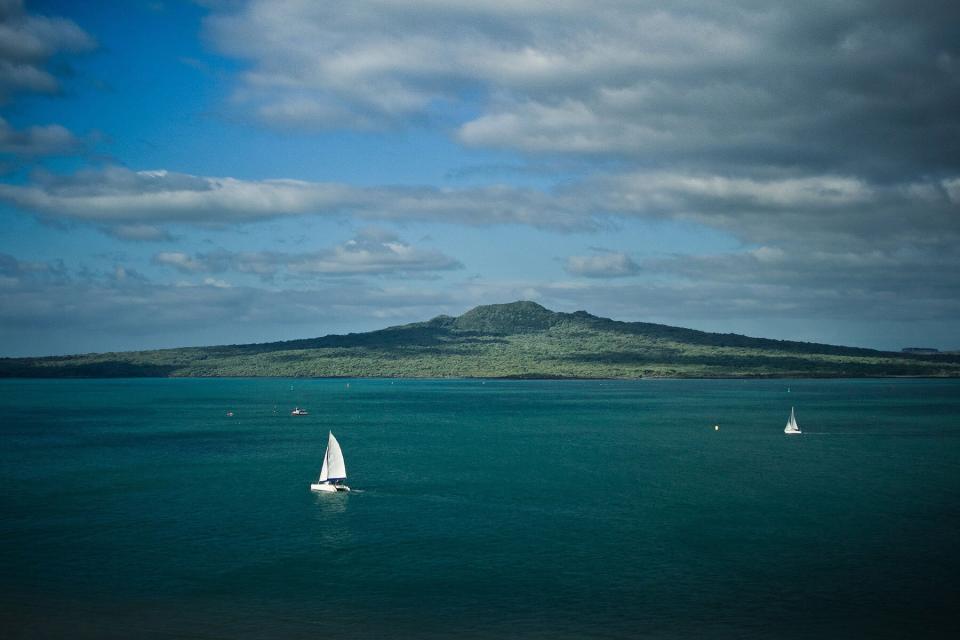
x,y
792,426
334,469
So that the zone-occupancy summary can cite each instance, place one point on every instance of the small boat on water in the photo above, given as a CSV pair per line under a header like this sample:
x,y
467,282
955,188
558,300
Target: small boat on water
x,y
299,412
792,426
334,470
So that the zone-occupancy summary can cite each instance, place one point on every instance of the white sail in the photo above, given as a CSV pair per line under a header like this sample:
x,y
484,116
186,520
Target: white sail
x,y
792,426
334,467
323,471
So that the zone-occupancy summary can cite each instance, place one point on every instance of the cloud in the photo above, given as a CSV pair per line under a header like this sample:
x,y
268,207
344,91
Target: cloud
x,y
371,252
28,42
605,264
15,272
124,274
388,61
48,140
856,88
138,232
816,211
812,211
220,284
116,196
898,283
182,262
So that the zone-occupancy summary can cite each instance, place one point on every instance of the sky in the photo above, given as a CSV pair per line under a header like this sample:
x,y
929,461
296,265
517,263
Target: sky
x,y
178,173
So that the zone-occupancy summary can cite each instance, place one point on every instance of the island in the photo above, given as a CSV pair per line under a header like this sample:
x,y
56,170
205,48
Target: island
x,y
515,340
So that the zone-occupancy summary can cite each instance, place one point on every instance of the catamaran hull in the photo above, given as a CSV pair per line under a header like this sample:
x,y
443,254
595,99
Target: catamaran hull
x,y
329,488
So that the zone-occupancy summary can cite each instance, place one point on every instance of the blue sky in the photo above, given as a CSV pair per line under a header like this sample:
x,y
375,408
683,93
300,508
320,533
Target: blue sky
x,y
179,173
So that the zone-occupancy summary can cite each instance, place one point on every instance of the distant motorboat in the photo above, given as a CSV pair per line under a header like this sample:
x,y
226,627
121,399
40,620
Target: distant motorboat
x,y
229,414
299,412
334,470
792,426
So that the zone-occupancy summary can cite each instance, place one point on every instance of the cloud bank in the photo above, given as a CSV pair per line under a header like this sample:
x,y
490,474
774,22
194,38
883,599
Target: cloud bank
x,y
859,87
116,196
814,211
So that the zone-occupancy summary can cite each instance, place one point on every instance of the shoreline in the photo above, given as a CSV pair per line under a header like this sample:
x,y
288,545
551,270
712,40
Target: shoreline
x,y
510,378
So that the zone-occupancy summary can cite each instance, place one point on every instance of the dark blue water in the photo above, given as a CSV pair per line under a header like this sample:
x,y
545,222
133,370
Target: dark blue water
x,y
136,508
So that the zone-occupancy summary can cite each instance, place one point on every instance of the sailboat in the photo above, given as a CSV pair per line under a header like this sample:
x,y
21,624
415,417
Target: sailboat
x,y
334,470
792,426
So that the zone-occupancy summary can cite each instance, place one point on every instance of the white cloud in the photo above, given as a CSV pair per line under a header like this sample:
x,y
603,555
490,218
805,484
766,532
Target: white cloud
x,y
44,140
214,282
27,42
119,197
952,186
389,61
570,126
819,209
181,261
607,264
371,252
703,195
138,232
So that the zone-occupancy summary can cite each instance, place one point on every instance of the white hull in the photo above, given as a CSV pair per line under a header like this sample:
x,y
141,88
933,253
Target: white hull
x,y
791,432
326,487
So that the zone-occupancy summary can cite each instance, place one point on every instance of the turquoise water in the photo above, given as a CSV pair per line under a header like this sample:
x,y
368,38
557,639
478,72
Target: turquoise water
x,y
511,509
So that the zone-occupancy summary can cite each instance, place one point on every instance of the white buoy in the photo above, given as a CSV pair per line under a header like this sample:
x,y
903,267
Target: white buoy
x,y
716,427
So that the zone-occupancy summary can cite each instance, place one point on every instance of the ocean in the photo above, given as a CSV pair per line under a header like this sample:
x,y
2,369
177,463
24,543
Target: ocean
x,y
480,509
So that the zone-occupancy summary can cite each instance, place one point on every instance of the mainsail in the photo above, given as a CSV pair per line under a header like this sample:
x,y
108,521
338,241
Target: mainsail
x,y
334,467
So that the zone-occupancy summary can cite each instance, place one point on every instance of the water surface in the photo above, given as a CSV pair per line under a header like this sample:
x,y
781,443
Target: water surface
x,y
522,509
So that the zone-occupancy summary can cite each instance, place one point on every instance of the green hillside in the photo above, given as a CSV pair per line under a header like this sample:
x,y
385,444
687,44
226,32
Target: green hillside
x,y
521,339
